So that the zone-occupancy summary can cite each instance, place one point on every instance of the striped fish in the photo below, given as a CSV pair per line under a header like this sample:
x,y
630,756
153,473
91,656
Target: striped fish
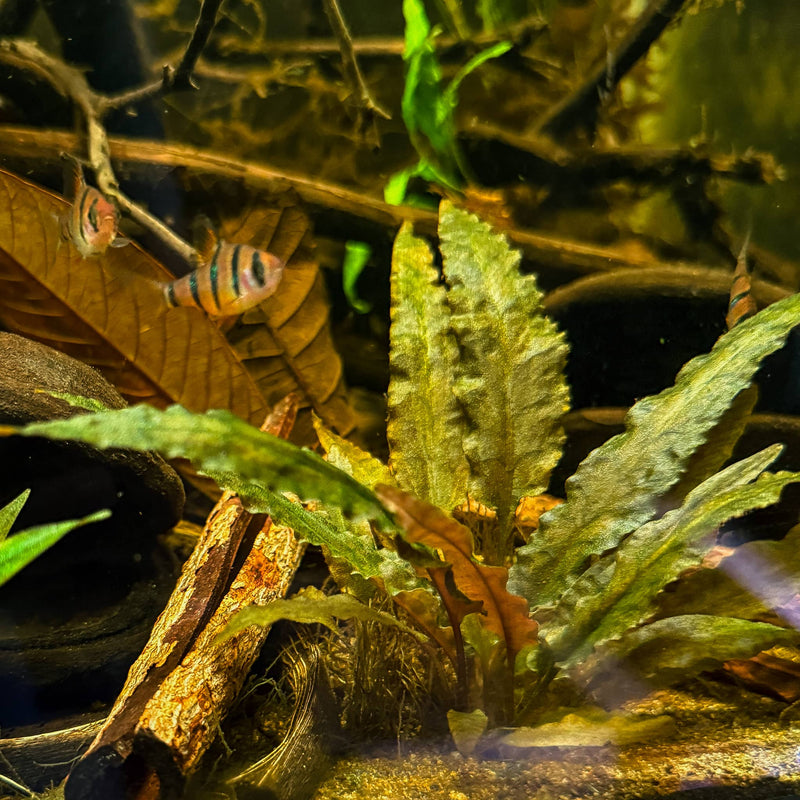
x,y
741,305
91,224
229,278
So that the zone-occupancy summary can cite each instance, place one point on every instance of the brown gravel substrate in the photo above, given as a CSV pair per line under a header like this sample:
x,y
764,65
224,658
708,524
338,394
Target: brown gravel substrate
x,y
722,749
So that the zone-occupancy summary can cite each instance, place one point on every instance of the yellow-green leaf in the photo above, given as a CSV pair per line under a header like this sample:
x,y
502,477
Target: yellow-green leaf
x,y
425,427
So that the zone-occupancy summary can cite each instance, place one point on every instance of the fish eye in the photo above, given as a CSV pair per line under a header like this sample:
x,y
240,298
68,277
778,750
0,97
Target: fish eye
x,y
258,269
92,215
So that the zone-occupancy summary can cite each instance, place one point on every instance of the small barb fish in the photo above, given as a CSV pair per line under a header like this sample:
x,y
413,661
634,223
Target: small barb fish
x,y
229,279
742,304
92,222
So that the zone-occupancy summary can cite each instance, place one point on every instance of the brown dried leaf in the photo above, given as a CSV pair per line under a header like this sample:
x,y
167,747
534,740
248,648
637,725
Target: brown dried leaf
x,y
109,312
529,509
286,342
506,613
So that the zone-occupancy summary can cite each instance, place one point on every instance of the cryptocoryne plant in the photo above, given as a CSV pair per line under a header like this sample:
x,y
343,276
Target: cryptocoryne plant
x,y
475,402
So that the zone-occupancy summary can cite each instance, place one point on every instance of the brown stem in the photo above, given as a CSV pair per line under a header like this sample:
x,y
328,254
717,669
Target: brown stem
x,y
351,68
182,79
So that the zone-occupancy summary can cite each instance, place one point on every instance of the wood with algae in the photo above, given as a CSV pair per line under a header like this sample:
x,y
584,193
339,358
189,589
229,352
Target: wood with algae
x,y
179,689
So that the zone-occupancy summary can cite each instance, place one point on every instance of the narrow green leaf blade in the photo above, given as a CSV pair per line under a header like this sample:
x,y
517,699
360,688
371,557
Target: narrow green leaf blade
x,y
20,549
219,443
618,486
10,512
759,577
356,257
658,553
450,97
672,649
433,135
309,606
425,425
509,378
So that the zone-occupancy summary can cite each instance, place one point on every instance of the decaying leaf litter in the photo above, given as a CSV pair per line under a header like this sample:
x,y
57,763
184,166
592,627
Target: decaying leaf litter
x,y
486,466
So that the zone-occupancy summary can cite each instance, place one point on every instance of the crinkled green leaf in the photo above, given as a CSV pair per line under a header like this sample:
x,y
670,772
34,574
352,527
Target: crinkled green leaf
x,y
618,487
757,578
317,528
356,256
347,544
466,728
671,649
350,458
509,378
592,728
718,447
311,605
220,444
10,512
19,550
368,470
620,591
425,425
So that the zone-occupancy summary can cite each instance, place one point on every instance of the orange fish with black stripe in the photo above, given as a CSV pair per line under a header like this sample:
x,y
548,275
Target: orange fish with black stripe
x,y
92,223
741,305
229,279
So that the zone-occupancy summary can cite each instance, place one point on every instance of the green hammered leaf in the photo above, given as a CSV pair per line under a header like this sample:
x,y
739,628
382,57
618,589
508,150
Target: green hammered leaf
x,y
425,425
618,487
510,377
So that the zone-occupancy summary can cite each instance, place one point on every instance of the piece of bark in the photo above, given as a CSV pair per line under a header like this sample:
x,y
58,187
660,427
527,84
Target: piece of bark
x,y
180,688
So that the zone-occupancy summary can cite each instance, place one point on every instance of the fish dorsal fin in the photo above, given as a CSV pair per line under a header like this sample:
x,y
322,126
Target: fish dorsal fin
x,y
73,177
741,261
205,239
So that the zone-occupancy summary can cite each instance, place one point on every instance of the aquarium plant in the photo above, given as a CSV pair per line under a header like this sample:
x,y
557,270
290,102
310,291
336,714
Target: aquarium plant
x,y
19,550
428,107
476,399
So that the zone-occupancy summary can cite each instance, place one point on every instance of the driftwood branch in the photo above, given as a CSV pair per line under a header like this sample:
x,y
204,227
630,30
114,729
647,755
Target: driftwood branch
x,y
580,108
514,158
93,106
180,688
352,72
182,79
172,80
349,209
71,83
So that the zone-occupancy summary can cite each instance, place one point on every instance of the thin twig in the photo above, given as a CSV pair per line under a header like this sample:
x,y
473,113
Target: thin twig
x,y
351,68
172,80
580,107
72,84
182,79
94,106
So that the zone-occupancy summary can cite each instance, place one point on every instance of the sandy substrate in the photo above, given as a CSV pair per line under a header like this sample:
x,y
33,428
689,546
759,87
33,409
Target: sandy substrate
x,y
720,749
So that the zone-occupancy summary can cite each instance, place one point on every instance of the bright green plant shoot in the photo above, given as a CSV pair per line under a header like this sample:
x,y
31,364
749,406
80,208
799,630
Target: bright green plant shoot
x,y
429,109
475,401
19,550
